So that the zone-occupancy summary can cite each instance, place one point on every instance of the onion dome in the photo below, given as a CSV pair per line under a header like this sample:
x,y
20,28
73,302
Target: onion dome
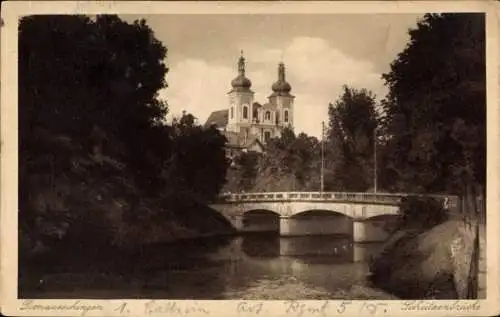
x,y
281,86
241,81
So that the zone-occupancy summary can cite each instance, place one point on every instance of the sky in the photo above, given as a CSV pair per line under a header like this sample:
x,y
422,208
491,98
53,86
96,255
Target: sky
x,y
321,54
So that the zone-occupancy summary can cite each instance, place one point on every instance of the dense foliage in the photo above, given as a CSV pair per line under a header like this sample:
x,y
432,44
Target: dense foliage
x,y
351,135
436,106
422,212
94,147
289,163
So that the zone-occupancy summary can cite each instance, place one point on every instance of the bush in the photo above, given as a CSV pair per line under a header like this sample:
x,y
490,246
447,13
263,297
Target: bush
x,y
422,212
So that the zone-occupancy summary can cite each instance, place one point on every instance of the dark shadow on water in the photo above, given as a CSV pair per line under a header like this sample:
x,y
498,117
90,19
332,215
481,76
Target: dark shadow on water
x,y
261,245
204,268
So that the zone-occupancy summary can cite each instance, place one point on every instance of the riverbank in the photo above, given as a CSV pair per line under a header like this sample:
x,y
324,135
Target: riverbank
x,y
428,263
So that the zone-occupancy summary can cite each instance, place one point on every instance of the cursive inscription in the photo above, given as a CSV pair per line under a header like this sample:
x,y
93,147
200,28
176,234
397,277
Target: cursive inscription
x,y
343,306
122,309
298,309
78,306
173,307
249,307
429,305
373,308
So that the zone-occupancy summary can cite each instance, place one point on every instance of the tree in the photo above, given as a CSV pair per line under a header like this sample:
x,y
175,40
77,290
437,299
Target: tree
x,y
89,76
352,123
307,161
100,74
275,166
247,165
93,142
289,163
87,99
436,106
198,162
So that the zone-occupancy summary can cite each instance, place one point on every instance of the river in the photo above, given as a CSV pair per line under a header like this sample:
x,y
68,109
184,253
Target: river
x,y
253,266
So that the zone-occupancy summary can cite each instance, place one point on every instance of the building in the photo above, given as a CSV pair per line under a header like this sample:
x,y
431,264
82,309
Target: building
x,y
247,124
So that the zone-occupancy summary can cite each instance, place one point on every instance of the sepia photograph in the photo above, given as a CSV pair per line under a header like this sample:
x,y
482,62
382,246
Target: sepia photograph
x,y
278,156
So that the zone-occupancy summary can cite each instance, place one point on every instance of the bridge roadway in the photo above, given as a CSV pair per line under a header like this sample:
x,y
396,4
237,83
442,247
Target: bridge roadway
x,y
365,217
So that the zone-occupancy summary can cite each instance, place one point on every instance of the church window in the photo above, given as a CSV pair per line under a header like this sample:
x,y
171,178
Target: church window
x,y
245,112
286,116
232,112
277,117
267,135
268,115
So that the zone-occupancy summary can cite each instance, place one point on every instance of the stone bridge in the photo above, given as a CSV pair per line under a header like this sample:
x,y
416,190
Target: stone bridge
x,y
364,216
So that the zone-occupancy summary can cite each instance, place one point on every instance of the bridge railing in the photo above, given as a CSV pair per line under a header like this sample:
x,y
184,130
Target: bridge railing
x,y
319,196
386,198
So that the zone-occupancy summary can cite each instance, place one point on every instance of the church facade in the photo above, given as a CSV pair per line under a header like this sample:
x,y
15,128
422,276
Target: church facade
x,y
248,124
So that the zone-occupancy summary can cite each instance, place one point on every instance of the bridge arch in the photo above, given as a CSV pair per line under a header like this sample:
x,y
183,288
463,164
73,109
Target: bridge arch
x,y
301,207
318,213
387,222
318,222
261,220
261,211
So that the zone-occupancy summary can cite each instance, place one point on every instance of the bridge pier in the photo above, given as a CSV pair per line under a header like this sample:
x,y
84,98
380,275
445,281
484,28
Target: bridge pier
x,y
368,231
286,227
237,222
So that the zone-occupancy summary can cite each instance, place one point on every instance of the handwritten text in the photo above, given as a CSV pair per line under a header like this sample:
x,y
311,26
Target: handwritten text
x,y
75,306
172,307
436,306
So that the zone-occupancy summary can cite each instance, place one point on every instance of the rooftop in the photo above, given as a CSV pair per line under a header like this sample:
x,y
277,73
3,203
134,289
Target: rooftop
x,y
218,118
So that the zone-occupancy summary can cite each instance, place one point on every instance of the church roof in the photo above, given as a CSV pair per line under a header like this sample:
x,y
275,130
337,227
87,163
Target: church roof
x,y
241,89
241,82
286,94
281,86
218,118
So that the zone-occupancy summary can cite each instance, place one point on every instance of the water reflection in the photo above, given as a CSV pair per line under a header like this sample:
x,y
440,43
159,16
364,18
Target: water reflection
x,y
252,266
311,249
302,267
261,245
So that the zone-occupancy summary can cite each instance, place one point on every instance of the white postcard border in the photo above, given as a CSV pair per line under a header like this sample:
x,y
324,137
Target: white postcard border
x,y
11,11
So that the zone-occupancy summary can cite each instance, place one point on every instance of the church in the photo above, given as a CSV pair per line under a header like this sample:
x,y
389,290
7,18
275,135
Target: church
x,y
248,124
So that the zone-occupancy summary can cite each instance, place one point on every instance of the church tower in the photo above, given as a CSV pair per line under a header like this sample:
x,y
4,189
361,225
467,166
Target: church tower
x,y
240,101
282,99
249,125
